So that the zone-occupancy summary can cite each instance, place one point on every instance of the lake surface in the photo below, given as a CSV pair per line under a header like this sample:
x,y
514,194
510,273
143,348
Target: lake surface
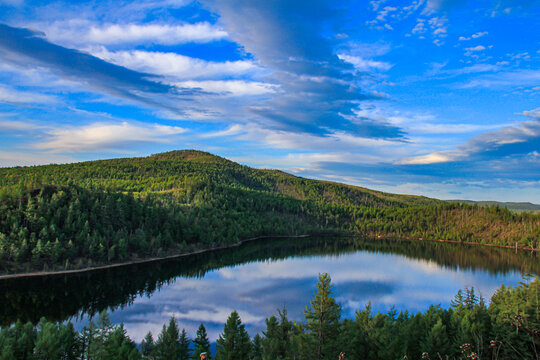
x,y
259,277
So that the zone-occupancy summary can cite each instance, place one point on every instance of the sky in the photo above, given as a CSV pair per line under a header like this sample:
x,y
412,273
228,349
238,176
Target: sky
x,y
429,97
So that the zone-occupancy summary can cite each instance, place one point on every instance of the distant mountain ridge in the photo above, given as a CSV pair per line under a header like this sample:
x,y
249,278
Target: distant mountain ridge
x,y
520,206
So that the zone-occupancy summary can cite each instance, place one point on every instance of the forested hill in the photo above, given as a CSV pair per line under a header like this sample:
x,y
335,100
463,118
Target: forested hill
x,y
98,212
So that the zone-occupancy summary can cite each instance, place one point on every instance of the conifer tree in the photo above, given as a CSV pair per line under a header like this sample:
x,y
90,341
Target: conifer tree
x,y
48,342
184,346
147,344
277,342
323,315
234,343
256,348
168,344
201,343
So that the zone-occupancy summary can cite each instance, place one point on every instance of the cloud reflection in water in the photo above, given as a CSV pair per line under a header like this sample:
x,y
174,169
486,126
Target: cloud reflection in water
x,y
257,289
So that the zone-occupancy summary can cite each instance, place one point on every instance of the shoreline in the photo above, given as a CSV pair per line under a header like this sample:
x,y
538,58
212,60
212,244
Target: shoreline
x,y
237,244
142,261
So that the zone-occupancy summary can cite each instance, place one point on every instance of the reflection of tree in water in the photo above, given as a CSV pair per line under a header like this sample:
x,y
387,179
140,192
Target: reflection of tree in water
x,y
62,296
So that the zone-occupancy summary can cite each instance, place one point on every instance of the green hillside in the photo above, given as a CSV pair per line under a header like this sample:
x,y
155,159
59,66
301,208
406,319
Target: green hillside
x,y
99,212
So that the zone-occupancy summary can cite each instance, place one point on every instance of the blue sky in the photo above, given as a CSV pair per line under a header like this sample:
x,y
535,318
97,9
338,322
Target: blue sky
x,y
431,97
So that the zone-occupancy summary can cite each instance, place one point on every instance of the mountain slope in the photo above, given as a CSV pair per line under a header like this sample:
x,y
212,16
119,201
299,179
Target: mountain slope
x,y
100,212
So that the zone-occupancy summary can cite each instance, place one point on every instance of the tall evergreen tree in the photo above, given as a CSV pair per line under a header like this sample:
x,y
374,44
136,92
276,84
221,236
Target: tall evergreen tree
x,y
234,343
323,315
277,337
48,344
436,341
202,344
168,342
147,345
185,351
256,348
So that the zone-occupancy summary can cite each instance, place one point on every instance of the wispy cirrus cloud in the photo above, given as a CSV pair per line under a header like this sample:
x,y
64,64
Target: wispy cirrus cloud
x,y
83,32
17,43
317,88
365,65
105,136
13,96
507,141
506,79
177,66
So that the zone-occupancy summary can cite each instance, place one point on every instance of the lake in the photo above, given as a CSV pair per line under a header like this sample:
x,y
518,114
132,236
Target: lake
x,y
258,277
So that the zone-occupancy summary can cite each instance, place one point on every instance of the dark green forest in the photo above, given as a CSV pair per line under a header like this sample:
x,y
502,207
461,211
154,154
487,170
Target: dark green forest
x,y
509,328
61,217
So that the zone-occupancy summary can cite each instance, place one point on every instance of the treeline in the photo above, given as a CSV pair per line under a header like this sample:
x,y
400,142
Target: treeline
x,y
509,328
66,227
92,213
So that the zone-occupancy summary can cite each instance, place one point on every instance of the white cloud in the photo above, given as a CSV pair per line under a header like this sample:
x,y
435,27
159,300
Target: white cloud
x,y
481,144
427,128
365,65
420,27
12,96
533,114
232,130
476,48
12,125
505,79
230,87
83,32
177,66
479,34
433,158
473,36
438,25
27,158
103,136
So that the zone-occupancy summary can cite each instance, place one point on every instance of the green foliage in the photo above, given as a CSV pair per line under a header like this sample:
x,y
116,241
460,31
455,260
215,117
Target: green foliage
x,y
277,337
256,348
234,343
148,345
85,214
201,343
168,344
323,315
185,351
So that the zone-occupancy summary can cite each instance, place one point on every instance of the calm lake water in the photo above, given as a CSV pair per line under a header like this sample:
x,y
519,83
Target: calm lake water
x,y
259,277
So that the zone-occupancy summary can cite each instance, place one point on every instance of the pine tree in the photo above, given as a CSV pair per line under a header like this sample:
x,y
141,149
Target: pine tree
x,y
234,343
70,340
48,342
437,340
168,344
184,346
202,344
147,344
256,348
322,317
277,342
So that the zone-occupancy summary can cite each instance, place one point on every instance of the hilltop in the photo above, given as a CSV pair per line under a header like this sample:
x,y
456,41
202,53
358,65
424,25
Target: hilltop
x,y
99,212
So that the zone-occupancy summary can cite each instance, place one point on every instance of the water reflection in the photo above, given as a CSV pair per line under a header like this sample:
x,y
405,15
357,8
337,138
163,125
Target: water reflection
x,y
257,278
